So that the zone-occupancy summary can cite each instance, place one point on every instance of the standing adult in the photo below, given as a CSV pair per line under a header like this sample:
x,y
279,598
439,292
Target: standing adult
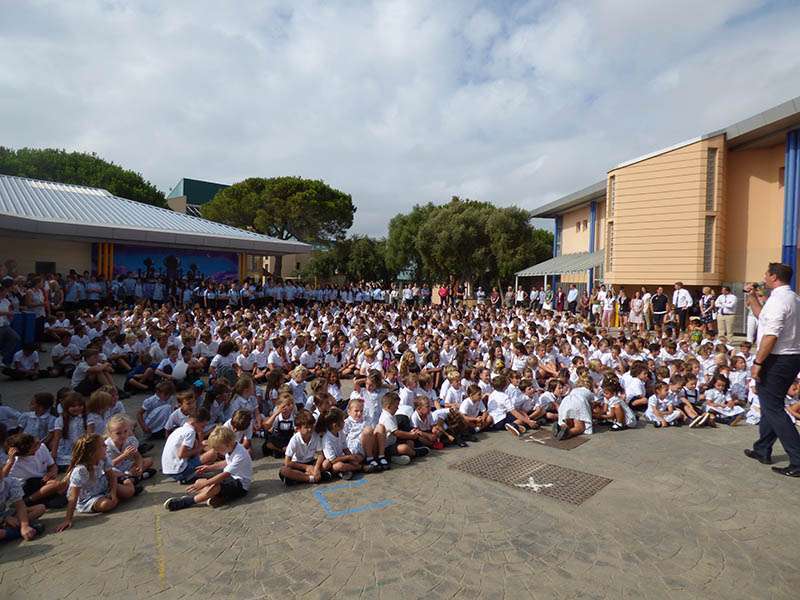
x,y
707,308
682,302
659,303
637,311
8,337
572,298
726,312
647,311
776,366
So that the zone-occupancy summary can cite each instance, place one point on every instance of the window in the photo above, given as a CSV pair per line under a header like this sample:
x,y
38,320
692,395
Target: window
x,y
610,247
44,267
781,176
297,266
585,225
708,246
577,227
558,237
711,178
612,193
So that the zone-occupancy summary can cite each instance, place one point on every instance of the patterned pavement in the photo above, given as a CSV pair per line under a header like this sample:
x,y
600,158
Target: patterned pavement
x,y
686,515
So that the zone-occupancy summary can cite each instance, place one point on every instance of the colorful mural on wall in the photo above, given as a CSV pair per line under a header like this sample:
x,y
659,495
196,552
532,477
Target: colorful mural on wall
x,y
154,261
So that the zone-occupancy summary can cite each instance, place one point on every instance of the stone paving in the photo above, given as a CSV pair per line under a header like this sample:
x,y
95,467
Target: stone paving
x,y
686,516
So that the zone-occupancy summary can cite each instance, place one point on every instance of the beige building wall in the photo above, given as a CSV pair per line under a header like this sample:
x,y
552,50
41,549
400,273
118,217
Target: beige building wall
x,y
755,198
575,238
28,251
658,217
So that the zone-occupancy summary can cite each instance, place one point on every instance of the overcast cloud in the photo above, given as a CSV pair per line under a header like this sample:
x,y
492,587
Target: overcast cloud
x,y
395,102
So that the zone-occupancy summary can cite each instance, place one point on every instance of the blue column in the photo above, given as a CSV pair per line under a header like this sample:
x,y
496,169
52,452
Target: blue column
x,y
592,225
791,204
556,235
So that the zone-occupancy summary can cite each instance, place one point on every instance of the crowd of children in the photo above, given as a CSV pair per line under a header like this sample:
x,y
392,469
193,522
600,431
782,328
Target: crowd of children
x,y
226,385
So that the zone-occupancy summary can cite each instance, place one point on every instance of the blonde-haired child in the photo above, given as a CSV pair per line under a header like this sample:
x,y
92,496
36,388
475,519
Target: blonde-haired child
x,y
297,385
93,483
122,449
231,484
361,438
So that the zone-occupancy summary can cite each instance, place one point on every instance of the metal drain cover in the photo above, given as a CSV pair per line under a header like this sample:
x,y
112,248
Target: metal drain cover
x,y
558,483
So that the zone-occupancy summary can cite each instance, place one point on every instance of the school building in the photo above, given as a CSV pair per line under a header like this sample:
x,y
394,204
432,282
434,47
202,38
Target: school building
x,y
712,210
188,196
49,227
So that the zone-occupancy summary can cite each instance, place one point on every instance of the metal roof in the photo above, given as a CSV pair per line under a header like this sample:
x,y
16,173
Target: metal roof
x,y
58,209
575,199
565,263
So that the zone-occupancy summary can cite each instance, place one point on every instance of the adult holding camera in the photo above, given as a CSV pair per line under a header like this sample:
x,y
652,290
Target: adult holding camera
x,y
776,365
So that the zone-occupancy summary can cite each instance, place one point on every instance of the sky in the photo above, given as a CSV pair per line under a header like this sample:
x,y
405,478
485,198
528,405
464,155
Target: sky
x,y
394,102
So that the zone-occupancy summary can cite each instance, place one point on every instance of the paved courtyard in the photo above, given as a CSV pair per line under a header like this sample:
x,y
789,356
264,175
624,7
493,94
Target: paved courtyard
x,y
685,516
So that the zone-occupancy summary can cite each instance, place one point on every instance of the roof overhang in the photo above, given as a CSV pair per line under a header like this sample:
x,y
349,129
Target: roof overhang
x,y
577,199
20,226
564,263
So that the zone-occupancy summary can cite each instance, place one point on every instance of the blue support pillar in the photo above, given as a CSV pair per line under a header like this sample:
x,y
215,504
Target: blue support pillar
x,y
592,226
791,204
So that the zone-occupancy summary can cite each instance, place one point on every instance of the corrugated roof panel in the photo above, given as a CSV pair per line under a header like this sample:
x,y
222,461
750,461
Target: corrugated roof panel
x,y
64,203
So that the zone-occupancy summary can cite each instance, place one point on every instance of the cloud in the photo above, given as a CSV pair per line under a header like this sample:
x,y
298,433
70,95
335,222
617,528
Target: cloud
x,y
395,102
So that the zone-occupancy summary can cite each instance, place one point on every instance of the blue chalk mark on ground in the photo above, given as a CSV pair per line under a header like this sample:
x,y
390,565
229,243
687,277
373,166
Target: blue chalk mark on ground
x,y
321,496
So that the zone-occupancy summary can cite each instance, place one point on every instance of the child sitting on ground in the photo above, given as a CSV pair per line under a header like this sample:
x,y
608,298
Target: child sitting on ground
x,y
241,424
615,408
123,449
575,412
725,410
183,449
39,421
17,520
303,457
187,406
156,410
31,463
93,484
229,485
67,428
474,411
423,426
399,444
338,458
362,439
279,426
661,411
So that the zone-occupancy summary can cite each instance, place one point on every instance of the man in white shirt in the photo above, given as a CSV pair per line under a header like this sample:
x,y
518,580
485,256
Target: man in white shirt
x,y
572,298
776,366
726,312
682,302
646,309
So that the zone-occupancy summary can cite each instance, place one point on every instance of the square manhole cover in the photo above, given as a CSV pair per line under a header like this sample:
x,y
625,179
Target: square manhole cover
x,y
558,483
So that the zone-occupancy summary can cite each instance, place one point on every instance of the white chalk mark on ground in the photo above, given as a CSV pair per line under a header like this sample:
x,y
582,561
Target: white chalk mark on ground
x,y
533,486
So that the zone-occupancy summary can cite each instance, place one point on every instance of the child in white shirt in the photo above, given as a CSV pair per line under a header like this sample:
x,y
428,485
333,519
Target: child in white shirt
x,y
338,458
303,457
231,484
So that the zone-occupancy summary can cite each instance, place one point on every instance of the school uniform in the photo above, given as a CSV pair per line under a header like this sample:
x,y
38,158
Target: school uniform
x,y
171,464
300,451
665,406
30,470
39,426
156,413
239,466
577,405
112,452
499,406
92,487
389,422
333,445
282,431
77,427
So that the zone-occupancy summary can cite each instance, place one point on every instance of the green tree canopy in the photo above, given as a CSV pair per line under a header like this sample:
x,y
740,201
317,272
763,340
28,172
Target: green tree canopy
x,y
79,168
358,258
466,239
307,210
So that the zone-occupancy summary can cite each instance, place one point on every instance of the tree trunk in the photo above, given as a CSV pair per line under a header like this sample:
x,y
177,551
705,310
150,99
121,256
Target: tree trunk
x,y
278,266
